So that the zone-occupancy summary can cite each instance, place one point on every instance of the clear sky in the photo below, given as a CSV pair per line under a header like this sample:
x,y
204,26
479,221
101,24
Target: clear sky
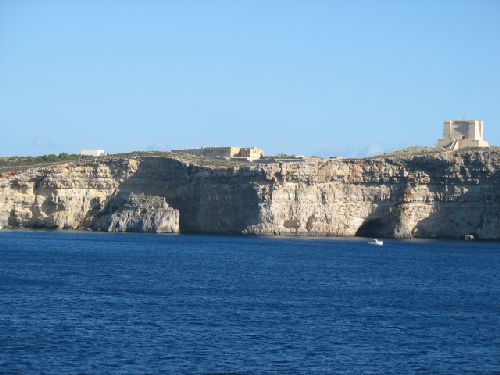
x,y
307,77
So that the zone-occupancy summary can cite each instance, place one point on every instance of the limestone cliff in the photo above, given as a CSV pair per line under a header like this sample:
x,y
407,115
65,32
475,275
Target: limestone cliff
x,y
137,213
427,195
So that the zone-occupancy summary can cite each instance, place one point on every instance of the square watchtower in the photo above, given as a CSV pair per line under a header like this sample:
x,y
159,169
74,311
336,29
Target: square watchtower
x,y
459,134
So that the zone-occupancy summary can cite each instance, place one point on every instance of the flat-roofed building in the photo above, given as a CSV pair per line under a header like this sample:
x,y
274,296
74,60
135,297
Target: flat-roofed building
x,y
459,134
87,152
231,152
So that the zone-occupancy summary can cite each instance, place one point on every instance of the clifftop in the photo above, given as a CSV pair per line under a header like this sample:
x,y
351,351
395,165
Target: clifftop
x,y
26,162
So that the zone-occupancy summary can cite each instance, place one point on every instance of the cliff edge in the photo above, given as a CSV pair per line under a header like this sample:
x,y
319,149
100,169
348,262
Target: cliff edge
x,y
403,195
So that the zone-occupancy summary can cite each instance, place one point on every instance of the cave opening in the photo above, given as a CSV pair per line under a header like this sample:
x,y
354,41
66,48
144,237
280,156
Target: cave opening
x,y
375,227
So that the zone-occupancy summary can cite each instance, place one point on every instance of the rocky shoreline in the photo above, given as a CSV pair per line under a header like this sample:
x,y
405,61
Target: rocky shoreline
x,y
424,194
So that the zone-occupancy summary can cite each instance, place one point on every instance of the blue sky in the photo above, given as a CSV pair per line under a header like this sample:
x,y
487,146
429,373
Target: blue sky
x,y
324,78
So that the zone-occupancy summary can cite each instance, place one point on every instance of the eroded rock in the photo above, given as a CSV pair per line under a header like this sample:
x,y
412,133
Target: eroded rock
x,y
138,213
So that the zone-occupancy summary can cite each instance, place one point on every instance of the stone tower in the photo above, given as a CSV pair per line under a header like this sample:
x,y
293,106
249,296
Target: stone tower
x,y
459,134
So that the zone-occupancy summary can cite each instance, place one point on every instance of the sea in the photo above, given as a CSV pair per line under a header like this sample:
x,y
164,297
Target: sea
x,y
101,303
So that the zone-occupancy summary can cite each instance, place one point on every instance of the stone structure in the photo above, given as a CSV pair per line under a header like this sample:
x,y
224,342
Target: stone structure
x,y
86,152
248,153
458,134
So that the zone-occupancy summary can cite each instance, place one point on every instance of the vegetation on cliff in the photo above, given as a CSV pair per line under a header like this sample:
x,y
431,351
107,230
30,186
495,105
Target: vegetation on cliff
x,y
21,161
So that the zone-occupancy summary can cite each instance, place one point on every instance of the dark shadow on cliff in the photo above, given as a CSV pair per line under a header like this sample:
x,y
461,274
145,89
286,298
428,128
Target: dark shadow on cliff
x,y
447,220
378,225
209,200
475,212
381,222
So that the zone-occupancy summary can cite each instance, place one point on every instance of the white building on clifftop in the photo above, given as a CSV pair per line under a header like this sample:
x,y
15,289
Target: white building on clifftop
x,y
459,134
93,153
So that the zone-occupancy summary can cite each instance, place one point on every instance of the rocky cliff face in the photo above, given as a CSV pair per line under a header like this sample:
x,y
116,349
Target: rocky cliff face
x,y
65,196
137,213
442,195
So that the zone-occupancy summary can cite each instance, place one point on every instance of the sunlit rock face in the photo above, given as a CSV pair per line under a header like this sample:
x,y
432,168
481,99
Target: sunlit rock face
x,y
434,196
65,196
137,213
427,195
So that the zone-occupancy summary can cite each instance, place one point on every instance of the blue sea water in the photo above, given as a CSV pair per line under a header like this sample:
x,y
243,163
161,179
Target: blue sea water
x,y
96,303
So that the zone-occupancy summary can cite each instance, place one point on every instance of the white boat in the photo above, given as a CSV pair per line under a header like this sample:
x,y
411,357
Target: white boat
x,y
376,242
